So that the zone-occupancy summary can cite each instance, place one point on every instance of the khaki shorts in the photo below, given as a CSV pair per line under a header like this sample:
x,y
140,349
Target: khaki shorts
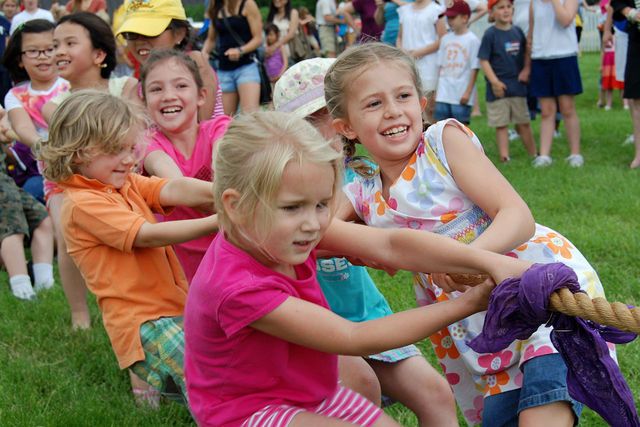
x,y
328,38
503,111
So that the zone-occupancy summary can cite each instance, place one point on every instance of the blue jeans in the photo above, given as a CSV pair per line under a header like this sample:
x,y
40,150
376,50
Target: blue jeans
x,y
544,382
231,79
461,113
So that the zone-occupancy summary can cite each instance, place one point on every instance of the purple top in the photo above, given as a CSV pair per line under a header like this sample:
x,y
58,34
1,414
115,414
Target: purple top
x,y
274,63
519,306
370,29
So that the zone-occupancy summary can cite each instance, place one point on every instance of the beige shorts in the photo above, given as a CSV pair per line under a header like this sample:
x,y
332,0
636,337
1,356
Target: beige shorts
x,y
503,111
328,38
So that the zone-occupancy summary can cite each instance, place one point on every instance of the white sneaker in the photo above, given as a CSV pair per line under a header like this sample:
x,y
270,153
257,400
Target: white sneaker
x,y
541,162
556,134
629,140
575,160
513,135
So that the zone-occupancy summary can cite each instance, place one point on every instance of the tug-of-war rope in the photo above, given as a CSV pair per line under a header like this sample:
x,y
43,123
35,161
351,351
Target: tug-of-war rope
x,y
599,310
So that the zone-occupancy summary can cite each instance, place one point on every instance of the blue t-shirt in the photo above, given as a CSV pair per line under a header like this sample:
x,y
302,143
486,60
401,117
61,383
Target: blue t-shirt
x,y
348,288
504,49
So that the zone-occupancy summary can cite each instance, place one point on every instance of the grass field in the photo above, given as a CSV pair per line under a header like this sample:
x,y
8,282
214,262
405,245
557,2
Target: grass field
x,y
52,376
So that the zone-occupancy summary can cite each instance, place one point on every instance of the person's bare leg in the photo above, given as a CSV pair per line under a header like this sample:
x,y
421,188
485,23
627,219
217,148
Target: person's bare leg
x,y
230,103
571,122
635,117
502,139
249,94
73,283
143,392
356,374
12,252
526,135
547,124
42,242
555,414
419,387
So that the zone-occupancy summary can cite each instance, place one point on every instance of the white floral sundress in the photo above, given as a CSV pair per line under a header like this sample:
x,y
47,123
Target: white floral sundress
x,y
426,197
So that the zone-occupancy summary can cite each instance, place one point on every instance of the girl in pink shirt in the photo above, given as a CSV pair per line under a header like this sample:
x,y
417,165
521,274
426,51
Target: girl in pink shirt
x,y
260,340
179,145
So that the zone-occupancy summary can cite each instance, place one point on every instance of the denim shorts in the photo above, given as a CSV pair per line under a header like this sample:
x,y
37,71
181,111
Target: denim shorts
x,y
231,79
555,77
461,113
544,382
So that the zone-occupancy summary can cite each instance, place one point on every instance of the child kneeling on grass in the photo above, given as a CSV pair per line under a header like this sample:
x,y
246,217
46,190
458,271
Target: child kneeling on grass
x,y
123,253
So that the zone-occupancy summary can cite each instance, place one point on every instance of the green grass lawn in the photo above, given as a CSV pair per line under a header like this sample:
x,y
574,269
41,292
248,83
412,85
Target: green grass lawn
x,y
50,375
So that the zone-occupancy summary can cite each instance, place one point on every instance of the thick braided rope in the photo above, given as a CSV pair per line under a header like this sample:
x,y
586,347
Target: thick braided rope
x,y
598,310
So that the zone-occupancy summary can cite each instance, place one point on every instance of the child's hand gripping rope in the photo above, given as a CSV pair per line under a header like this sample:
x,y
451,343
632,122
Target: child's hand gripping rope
x,y
519,306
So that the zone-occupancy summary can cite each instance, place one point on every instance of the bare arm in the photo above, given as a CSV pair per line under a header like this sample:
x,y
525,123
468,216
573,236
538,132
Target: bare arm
x,y
416,250
472,82
23,127
347,10
183,191
441,29
497,85
210,42
512,223
174,232
331,333
478,12
379,15
565,13
47,111
607,34
158,163
210,84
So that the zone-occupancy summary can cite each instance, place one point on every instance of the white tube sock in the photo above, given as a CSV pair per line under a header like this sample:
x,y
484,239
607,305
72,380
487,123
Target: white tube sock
x,y
43,276
21,286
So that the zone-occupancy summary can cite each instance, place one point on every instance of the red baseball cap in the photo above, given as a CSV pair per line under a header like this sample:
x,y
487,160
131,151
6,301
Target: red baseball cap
x,y
492,3
457,7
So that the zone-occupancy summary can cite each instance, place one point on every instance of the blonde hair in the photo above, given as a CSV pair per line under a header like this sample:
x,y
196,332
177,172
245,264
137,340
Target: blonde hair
x,y
89,121
351,64
251,157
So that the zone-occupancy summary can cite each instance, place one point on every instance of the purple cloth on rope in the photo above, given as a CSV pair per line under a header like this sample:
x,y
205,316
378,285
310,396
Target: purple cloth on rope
x,y
519,306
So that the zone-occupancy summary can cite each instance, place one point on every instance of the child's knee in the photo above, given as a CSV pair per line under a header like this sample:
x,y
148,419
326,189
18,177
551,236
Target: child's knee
x,y
356,374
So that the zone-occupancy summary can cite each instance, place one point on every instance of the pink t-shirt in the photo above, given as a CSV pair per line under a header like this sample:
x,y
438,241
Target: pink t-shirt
x,y
196,166
233,370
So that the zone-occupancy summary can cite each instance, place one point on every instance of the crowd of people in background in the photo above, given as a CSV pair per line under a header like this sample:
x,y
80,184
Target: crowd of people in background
x,y
81,88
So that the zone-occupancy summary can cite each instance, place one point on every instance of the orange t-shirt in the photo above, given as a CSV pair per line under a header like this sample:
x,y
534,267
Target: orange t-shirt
x,y
132,284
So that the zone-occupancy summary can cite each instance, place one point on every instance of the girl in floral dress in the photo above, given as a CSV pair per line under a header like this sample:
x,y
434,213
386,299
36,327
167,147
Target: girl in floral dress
x,y
441,181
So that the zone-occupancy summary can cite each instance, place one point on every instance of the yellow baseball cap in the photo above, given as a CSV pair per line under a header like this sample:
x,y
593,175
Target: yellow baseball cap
x,y
150,17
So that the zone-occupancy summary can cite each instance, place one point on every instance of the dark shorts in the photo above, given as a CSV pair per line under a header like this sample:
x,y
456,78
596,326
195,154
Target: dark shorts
x,y
20,212
555,77
461,113
632,70
544,382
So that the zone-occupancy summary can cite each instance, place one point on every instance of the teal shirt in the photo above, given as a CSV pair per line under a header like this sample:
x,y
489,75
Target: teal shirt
x,y
348,288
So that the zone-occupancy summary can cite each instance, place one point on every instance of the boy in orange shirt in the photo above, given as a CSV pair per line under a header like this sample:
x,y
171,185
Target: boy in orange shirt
x,y
111,233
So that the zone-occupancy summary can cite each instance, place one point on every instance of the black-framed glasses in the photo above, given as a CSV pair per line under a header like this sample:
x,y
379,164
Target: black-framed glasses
x,y
35,53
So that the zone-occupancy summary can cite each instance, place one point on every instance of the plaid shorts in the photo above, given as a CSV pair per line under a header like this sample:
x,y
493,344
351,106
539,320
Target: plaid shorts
x,y
344,404
163,366
20,212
